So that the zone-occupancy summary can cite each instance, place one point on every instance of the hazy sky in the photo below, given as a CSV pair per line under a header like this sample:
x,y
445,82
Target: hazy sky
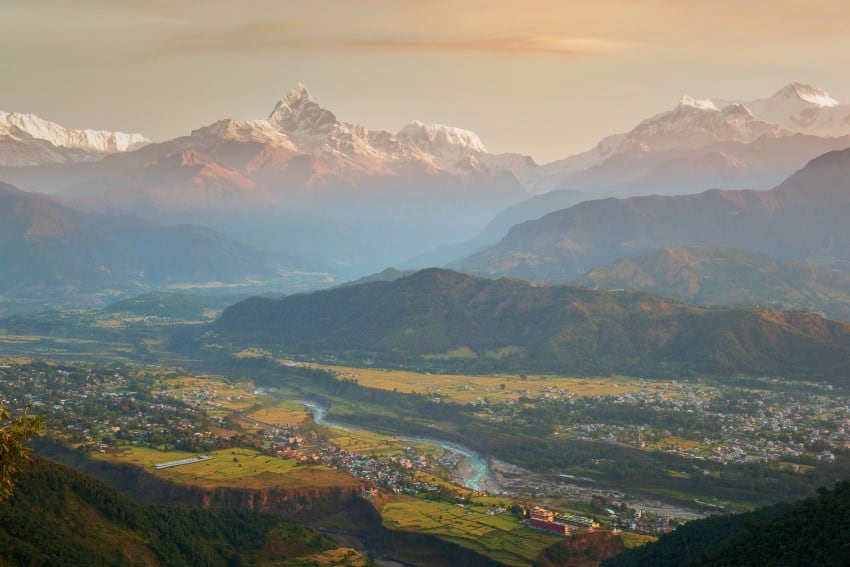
x,y
546,78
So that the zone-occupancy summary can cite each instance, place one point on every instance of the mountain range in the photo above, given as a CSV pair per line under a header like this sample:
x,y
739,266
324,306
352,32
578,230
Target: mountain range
x,y
306,183
440,319
802,219
703,144
26,139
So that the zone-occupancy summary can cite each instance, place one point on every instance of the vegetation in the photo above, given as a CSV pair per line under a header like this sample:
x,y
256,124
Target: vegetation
x,y
724,276
501,537
814,531
541,329
58,516
13,453
236,467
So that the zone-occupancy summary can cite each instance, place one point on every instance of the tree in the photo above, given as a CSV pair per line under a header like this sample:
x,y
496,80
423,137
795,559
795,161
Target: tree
x,y
13,433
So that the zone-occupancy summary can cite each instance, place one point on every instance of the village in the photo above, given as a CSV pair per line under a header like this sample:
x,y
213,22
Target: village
x,y
102,409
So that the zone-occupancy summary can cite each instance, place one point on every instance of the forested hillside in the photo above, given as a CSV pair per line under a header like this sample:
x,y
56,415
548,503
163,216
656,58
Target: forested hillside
x,y
815,531
58,516
443,319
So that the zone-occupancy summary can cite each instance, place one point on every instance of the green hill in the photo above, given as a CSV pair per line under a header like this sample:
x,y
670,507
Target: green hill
x,y
724,276
815,531
58,516
439,318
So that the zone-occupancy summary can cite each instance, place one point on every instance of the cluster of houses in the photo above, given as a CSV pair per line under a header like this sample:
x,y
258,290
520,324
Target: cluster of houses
x,y
559,524
769,425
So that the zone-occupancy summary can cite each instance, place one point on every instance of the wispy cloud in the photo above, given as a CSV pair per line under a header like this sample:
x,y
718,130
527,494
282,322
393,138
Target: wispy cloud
x,y
511,45
288,36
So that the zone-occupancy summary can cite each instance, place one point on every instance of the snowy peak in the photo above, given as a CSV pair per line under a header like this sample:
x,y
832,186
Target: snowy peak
x,y
704,104
20,126
300,92
441,141
806,93
692,124
298,113
802,108
737,109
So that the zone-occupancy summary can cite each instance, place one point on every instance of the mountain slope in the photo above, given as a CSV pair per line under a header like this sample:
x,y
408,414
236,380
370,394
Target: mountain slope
x,y
58,516
723,276
512,325
808,532
56,252
804,218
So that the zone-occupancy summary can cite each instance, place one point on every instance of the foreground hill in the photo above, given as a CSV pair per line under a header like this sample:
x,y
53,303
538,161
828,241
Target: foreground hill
x,y
439,318
723,276
58,516
814,531
804,218
52,251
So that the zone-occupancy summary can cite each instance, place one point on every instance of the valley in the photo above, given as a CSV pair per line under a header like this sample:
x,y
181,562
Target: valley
x,y
534,285
284,428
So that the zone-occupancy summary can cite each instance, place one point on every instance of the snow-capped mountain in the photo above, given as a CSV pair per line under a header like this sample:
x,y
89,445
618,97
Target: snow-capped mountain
x,y
446,143
702,143
802,108
301,144
379,196
26,139
338,151
691,125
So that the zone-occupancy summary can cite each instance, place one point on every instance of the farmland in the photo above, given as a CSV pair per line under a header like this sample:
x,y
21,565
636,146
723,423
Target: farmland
x,y
463,388
235,468
501,536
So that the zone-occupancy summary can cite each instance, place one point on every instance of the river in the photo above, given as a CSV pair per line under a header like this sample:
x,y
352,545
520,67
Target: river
x,y
472,471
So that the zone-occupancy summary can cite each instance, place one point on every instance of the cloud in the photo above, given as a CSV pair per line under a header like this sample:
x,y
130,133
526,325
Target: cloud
x,y
288,36
511,45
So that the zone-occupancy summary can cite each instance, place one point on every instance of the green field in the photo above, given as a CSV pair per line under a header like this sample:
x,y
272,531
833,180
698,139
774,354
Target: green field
x,y
501,537
464,388
245,468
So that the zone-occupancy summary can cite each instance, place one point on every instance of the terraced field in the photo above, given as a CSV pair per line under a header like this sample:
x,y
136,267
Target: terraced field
x,y
501,537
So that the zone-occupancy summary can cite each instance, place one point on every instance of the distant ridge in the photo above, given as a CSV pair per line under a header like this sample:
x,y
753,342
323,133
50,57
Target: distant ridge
x,y
724,276
68,257
443,319
26,139
802,219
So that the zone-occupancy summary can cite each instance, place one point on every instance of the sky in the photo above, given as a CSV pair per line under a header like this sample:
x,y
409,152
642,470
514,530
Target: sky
x,y
547,78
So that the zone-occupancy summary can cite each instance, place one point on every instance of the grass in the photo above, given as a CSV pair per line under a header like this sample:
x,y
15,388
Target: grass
x,y
631,540
501,537
244,468
283,414
467,388
334,558
459,352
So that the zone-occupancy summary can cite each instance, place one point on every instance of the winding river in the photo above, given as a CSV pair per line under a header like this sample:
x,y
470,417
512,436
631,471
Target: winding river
x,y
477,476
